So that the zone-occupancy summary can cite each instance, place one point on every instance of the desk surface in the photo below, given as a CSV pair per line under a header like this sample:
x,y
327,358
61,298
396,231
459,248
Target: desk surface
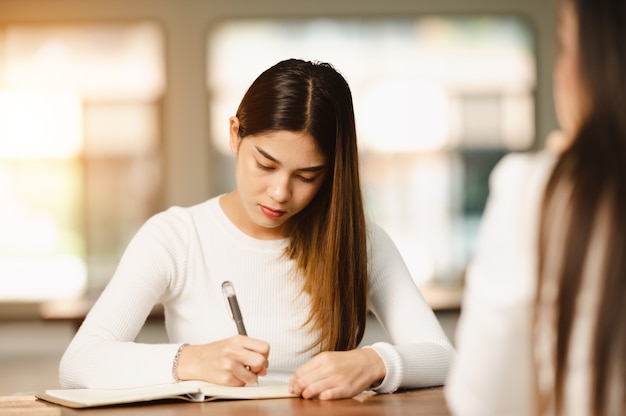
x,y
427,402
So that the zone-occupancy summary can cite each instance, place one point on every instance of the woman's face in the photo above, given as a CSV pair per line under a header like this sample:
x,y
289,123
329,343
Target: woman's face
x,y
568,93
277,175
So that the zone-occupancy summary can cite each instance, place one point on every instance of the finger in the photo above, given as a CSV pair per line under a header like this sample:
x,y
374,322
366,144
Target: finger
x,y
253,355
309,384
328,389
248,351
332,394
314,390
253,362
246,375
253,344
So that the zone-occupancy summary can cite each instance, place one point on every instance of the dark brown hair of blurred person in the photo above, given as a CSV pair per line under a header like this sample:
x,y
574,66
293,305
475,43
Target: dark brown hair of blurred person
x,y
582,247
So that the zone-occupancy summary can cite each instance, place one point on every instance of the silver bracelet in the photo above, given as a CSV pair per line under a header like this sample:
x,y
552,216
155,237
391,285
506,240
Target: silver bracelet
x,y
175,364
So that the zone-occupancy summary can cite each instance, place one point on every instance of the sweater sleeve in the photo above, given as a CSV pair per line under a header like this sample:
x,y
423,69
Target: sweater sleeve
x,y
419,354
103,353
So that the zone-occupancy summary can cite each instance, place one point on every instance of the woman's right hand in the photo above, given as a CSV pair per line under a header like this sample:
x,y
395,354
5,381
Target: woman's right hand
x,y
234,361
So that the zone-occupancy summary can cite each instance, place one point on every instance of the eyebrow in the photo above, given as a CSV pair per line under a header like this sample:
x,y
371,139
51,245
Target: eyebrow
x,y
273,159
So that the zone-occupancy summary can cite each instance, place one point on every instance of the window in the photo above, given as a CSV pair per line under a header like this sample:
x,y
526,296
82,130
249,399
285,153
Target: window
x,y
438,100
79,152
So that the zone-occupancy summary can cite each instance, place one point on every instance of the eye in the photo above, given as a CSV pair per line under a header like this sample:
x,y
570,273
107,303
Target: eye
x,y
307,180
263,167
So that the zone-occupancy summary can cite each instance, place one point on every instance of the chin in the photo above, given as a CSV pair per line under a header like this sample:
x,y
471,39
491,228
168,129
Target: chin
x,y
264,222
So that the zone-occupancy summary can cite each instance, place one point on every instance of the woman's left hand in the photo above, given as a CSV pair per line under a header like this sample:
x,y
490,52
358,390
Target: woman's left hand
x,y
338,374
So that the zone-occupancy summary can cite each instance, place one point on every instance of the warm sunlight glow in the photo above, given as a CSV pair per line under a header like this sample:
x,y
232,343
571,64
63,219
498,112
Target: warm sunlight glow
x,y
39,257
411,116
42,278
40,124
406,98
101,61
80,150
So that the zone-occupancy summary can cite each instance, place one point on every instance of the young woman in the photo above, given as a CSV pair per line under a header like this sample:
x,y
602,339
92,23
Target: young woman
x,y
543,328
293,239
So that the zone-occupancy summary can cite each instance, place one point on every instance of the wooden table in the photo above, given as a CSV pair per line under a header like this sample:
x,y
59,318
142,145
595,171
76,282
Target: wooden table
x,y
426,402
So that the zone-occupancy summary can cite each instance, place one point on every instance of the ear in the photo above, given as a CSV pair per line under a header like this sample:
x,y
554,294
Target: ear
x,y
234,134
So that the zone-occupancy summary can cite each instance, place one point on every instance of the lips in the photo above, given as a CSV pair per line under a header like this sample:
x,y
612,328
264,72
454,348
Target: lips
x,y
271,213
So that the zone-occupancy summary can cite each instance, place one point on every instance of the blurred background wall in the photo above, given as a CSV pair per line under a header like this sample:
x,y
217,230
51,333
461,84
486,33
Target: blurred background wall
x,y
111,111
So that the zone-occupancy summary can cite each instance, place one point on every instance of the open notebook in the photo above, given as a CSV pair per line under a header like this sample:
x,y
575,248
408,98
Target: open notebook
x,y
195,391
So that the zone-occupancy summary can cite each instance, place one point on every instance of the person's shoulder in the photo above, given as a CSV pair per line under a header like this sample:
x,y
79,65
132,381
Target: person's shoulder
x,y
177,219
378,239
177,212
516,164
373,229
518,170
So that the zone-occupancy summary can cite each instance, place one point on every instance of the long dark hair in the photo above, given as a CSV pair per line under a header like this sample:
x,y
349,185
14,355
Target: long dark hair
x,y
589,179
328,237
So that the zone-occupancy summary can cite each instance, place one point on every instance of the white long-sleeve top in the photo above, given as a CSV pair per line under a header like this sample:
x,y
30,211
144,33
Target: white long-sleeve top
x,y
492,374
180,258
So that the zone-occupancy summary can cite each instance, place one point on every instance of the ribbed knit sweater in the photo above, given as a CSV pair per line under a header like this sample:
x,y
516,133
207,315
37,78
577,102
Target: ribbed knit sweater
x,y
180,258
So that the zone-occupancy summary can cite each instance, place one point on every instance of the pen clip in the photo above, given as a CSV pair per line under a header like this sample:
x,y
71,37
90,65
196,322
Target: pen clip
x,y
228,289
229,292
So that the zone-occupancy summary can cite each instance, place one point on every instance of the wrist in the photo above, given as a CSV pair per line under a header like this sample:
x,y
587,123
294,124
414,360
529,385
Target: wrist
x,y
393,367
176,363
377,366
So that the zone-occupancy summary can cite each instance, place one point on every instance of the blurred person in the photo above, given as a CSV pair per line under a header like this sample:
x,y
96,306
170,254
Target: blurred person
x,y
543,323
293,239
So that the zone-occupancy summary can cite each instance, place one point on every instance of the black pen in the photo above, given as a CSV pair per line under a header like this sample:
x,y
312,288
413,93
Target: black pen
x,y
229,292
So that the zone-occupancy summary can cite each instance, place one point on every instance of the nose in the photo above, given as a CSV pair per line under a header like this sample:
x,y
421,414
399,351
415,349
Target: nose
x,y
280,189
